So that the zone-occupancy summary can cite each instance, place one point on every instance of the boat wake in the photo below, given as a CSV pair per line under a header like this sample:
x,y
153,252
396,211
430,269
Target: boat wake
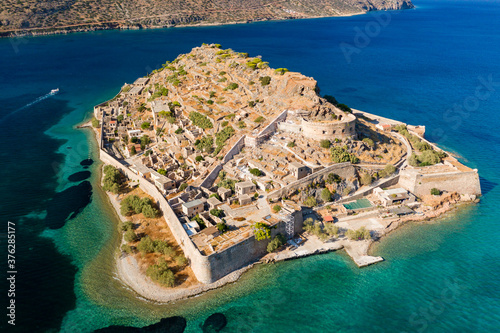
x,y
37,100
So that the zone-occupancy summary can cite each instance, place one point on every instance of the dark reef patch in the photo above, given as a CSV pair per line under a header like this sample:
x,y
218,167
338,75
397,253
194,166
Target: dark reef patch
x,y
166,325
214,323
68,204
87,162
79,176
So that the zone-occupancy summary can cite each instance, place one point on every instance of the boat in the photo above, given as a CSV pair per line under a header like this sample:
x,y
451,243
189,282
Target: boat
x,y
54,91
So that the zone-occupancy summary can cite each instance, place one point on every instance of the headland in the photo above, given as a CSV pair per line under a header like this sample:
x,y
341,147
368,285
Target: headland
x,y
217,162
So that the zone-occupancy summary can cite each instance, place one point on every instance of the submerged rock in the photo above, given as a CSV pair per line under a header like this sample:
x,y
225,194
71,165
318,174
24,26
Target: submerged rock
x,y
79,176
68,204
214,323
166,325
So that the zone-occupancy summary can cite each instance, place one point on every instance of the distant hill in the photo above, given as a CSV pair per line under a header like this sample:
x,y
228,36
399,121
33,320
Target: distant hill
x,y
41,17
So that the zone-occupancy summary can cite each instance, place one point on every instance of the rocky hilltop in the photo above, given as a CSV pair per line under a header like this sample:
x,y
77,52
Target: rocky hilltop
x,y
35,17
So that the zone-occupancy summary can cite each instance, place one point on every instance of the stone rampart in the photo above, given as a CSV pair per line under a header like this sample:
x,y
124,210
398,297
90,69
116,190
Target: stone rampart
x,y
344,170
421,184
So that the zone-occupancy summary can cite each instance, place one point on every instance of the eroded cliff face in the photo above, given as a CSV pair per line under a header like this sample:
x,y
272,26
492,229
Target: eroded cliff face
x,y
35,17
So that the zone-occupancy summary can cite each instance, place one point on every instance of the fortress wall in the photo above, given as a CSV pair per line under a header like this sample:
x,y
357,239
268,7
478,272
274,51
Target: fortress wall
x,y
287,127
421,184
240,254
235,149
211,177
344,170
199,263
330,130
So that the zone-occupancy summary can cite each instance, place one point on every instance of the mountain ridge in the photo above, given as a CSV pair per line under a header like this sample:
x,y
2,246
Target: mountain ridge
x,y
34,17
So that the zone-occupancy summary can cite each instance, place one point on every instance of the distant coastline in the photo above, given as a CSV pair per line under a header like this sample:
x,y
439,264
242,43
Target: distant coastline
x,y
84,27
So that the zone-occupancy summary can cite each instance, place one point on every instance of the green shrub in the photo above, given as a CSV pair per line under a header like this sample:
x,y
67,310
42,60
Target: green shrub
x,y
281,71
340,155
130,236
180,260
291,144
360,234
217,212
183,186
344,108
146,245
276,208
241,124
112,179
200,120
260,119
232,86
95,123
276,243
325,143
222,227
326,195
145,125
127,225
199,158
369,142
331,229
265,80
435,191
161,273
255,172
366,179
310,201
333,178
162,247
261,231
127,249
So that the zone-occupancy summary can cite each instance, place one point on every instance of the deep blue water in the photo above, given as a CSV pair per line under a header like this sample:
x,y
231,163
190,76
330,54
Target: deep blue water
x,y
437,65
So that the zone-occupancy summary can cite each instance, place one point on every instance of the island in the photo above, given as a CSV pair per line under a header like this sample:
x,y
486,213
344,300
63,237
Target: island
x,y
32,17
216,162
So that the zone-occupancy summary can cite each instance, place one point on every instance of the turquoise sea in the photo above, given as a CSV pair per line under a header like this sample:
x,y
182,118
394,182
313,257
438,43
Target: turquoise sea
x,y
437,65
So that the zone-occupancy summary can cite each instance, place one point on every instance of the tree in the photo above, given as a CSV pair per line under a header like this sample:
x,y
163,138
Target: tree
x,y
277,208
127,249
133,151
183,186
310,201
120,117
325,143
222,227
360,234
162,172
180,260
326,195
331,229
255,172
199,158
146,245
276,243
388,170
261,231
161,273
366,179
145,125
217,212
130,236
435,191
215,195
149,212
